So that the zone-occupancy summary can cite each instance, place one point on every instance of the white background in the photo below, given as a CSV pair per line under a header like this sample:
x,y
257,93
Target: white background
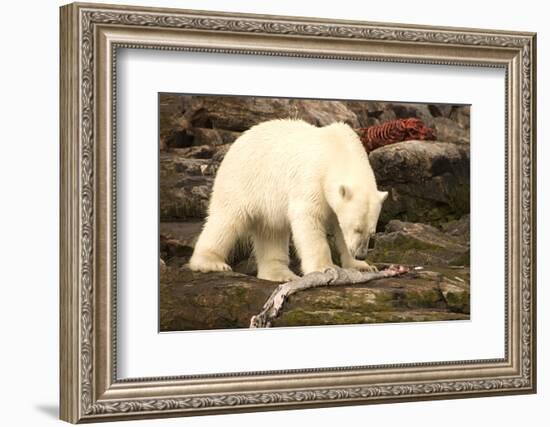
x,y
143,352
29,173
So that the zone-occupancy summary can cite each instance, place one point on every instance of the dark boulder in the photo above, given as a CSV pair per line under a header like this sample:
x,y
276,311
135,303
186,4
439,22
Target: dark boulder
x,y
427,181
421,244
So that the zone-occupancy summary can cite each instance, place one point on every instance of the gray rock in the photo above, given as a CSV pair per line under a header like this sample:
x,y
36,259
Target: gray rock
x,y
198,152
238,114
185,186
176,131
427,181
405,111
461,115
448,130
162,266
171,126
187,198
221,152
361,111
177,239
458,228
186,179
204,136
379,112
440,110
419,245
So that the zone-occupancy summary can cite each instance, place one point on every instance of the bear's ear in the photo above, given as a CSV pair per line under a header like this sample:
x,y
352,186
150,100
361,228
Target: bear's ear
x,y
344,192
383,196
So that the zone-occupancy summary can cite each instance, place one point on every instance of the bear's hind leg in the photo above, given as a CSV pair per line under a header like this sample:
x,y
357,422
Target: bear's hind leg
x,y
214,245
271,252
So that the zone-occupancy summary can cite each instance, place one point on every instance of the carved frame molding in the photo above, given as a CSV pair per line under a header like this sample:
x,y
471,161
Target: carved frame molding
x,y
90,37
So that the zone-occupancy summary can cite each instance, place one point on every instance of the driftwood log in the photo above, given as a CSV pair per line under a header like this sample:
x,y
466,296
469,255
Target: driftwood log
x,y
330,277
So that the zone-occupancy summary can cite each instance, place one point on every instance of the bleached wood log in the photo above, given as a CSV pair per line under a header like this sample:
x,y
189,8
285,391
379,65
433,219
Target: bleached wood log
x,y
330,277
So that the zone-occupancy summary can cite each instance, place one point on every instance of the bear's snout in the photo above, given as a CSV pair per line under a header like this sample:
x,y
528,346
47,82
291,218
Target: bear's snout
x,y
362,249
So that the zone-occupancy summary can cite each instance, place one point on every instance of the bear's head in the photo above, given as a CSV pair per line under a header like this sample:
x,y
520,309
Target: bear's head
x,y
357,210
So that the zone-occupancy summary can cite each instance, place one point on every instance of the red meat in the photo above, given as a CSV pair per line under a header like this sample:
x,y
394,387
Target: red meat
x,y
394,131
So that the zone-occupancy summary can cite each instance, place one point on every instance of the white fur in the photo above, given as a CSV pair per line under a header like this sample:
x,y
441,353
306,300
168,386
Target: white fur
x,y
285,177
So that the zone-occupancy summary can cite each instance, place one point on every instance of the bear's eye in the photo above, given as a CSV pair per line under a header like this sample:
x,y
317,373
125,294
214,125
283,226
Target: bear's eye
x,y
358,231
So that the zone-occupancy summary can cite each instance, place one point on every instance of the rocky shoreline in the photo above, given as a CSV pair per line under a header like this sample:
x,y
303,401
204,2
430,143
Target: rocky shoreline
x,y
424,222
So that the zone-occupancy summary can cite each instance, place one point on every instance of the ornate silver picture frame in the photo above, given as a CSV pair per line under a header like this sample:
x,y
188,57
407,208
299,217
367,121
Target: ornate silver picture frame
x,y
91,35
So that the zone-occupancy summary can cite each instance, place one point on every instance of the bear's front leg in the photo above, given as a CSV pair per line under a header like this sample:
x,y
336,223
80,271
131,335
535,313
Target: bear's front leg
x,y
310,239
346,259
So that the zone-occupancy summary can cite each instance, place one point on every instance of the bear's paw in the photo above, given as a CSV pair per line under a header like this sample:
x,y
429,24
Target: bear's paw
x,y
205,265
359,265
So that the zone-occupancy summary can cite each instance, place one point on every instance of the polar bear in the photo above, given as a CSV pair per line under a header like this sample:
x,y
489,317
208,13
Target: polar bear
x,y
284,177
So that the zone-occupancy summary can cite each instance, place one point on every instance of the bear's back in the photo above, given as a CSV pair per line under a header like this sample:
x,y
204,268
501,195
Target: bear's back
x,y
276,145
293,149
276,133
281,159
288,138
